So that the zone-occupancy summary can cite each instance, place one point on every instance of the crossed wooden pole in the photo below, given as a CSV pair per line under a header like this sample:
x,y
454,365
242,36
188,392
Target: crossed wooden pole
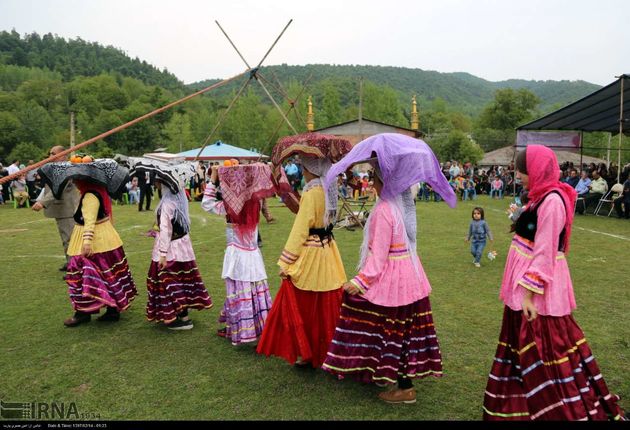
x,y
252,74
256,75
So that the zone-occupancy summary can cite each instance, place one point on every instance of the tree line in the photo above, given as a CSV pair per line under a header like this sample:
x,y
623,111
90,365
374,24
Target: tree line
x,y
38,93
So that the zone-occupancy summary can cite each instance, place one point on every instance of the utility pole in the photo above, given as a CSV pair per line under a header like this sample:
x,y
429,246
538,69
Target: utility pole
x,y
72,140
360,109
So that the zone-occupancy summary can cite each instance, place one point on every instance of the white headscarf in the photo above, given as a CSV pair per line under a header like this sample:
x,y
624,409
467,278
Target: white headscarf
x,y
319,167
180,202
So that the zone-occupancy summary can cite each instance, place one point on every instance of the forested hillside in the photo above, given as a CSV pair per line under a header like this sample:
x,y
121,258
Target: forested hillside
x,y
46,79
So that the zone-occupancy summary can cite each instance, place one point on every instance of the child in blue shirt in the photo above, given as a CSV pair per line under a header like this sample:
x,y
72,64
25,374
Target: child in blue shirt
x,y
478,232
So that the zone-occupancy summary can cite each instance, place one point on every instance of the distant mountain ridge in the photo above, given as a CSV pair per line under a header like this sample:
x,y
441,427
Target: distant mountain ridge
x,y
460,90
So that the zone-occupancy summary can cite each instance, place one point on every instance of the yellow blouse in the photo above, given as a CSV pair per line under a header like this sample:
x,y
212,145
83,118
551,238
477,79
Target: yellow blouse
x,y
310,265
101,234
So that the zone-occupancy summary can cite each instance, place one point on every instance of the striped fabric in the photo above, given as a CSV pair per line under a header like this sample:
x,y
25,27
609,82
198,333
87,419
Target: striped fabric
x,y
379,344
533,283
288,257
101,280
361,283
174,289
545,370
245,310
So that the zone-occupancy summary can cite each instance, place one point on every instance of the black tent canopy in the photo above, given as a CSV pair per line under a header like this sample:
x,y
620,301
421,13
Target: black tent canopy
x,y
599,111
602,110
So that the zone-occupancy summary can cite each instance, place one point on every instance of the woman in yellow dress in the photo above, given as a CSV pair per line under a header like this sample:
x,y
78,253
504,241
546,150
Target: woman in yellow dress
x,y
98,275
302,321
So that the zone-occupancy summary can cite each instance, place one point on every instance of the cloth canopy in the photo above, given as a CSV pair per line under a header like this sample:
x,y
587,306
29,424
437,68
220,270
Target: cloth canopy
x,y
222,151
598,111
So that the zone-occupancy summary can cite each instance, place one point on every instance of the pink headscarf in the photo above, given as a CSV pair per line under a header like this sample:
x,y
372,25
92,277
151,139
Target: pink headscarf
x,y
544,176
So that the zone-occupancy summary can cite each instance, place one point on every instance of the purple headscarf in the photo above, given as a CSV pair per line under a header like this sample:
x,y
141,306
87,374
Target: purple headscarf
x,y
403,162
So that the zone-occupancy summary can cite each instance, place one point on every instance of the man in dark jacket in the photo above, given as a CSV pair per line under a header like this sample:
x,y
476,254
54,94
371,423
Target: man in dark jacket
x,y
145,183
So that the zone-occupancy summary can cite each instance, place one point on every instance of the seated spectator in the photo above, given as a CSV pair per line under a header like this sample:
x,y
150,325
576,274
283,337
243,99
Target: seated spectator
x,y
624,200
20,191
364,185
469,189
597,188
496,189
343,191
573,178
461,186
583,183
133,191
371,192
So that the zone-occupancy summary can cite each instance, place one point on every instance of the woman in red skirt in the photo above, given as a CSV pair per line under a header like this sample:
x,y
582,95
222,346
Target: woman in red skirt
x,y
302,320
543,368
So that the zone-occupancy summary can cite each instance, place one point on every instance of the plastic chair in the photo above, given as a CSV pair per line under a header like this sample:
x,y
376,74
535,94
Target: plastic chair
x,y
124,197
609,198
28,200
578,200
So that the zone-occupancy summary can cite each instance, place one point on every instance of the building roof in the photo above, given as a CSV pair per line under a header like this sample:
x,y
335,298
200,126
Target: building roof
x,y
320,130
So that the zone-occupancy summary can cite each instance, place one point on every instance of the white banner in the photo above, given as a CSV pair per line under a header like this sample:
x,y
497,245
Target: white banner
x,y
570,140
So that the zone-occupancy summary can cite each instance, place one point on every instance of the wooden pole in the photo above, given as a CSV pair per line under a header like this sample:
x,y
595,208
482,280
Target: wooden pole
x,y
72,138
581,149
222,117
255,73
608,151
360,108
620,129
119,128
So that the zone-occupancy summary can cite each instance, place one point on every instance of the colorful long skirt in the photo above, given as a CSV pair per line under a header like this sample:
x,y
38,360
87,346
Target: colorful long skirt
x,y
545,370
176,288
100,280
245,310
380,344
301,323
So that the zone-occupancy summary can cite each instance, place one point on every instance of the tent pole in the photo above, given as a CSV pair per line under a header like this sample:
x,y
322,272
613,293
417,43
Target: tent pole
x,y
608,152
620,129
514,171
581,150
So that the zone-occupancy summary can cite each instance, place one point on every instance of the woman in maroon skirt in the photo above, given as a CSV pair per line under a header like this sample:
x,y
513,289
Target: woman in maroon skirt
x,y
543,368
385,332
174,284
98,274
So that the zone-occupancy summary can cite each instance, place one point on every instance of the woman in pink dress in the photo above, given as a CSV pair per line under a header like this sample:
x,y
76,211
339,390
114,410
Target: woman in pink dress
x,y
543,368
174,284
385,333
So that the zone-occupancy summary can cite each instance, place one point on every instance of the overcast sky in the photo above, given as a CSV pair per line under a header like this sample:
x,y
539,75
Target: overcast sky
x,y
492,39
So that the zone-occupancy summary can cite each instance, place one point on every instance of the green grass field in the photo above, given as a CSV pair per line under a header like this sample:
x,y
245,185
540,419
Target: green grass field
x,y
136,370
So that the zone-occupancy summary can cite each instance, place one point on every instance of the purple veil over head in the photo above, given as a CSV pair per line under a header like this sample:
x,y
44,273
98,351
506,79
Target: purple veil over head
x,y
403,162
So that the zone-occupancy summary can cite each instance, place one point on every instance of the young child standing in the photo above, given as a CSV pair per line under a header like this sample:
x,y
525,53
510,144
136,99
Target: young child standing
x,y
478,233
